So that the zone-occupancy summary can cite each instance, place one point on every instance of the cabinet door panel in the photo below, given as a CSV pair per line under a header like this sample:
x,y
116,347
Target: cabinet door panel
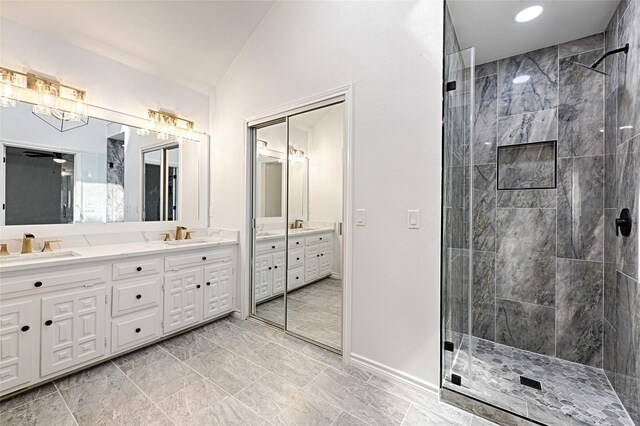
x,y
217,289
278,273
181,307
73,329
326,260
263,281
17,347
311,264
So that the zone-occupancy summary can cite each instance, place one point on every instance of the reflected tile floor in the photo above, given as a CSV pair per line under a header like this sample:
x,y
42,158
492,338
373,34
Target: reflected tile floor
x,y
228,372
315,311
572,394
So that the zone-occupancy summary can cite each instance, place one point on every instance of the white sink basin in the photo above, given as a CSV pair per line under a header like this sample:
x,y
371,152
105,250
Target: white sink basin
x,y
21,258
266,234
301,230
186,242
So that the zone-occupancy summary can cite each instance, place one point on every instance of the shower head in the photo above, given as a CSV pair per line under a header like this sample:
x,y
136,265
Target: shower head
x,y
590,68
624,49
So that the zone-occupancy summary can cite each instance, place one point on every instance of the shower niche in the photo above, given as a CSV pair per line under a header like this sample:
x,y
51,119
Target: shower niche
x,y
527,166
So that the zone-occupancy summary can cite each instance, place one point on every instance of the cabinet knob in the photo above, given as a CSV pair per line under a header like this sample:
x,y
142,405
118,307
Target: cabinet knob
x,y
269,267
275,267
297,258
208,283
317,255
320,238
138,330
297,242
139,268
38,284
198,286
138,296
273,247
48,322
297,278
204,257
322,254
25,328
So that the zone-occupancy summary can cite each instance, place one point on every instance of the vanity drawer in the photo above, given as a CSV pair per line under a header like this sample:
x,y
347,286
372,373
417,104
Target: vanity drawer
x,y
296,279
174,263
133,330
319,239
296,258
270,246
135,295
124,270
295,242
54,280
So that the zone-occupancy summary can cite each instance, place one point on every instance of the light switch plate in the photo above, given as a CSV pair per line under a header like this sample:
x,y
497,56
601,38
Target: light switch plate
x,y
413,219
361,217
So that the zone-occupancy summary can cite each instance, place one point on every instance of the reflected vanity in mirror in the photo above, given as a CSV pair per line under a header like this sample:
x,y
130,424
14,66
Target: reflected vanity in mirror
x,y
298,211
97,172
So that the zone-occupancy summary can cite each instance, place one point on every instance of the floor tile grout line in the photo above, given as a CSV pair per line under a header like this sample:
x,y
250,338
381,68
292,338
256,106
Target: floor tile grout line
x,y
65,403
405,413
25,393
144,393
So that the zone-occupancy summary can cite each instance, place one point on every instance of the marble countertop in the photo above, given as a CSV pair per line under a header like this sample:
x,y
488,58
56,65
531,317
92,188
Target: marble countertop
x,y
271,235
78,255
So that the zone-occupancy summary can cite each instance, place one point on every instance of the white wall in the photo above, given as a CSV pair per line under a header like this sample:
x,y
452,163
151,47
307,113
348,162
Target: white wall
x,y
392,54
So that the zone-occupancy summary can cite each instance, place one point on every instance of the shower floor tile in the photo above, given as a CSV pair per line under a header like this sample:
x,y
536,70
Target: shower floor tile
x,y
571,393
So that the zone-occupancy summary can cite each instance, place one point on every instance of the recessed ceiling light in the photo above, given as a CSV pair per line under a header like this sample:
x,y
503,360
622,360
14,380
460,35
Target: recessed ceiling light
x,y
529,14
521,79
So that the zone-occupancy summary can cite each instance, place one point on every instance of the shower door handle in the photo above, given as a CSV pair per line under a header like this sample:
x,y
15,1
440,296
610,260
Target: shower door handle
x,y
623,223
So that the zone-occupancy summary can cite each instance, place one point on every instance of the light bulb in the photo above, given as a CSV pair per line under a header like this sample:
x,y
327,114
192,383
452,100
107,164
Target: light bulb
x,y
7,89
46,99
79,107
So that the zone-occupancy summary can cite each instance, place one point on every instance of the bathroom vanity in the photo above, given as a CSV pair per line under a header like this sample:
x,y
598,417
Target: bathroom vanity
x,y
310,259
66,310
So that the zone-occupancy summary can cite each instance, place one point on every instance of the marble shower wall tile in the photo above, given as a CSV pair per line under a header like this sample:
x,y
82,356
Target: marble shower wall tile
x,y
609,287
580,210
610,65
609,352
629,73
627,327
526,255
529,127
526,326
484,208
628,196
579,312
582,45
527,198
538,93
484,70
484,295
581,107
485,120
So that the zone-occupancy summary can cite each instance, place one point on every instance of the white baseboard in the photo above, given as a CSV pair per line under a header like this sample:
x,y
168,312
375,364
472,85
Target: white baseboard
x,y
392,374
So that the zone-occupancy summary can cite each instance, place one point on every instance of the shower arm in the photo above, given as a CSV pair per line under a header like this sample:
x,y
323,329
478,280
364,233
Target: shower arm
x,y
624,49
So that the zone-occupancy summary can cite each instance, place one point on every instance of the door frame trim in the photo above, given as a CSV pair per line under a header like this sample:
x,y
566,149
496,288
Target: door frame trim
x,y
312,102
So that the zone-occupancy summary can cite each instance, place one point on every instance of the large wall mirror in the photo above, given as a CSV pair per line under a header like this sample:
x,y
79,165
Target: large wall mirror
x,y
98,172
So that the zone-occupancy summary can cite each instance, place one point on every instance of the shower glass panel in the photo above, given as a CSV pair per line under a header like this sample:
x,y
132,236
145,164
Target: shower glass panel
x,y
269,234
314,290
456,213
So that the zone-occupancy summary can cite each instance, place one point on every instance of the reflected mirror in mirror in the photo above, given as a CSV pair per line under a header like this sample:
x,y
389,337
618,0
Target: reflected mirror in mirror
x,y
269,195
112,172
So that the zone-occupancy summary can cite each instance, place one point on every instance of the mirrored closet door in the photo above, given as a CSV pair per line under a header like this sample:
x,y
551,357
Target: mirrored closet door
x,y
298,212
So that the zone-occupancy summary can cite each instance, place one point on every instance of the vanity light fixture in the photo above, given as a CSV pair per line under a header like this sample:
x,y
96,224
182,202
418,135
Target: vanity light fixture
x,y
62,107
9,94
529,14
296,155
262,147
168,125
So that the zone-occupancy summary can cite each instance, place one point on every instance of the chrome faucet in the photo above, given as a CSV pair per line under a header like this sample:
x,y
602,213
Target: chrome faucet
x,y
297,224
179,230
26,243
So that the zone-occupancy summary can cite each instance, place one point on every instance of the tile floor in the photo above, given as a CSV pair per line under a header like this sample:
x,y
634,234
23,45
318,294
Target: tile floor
x,y
315,312
228,372
571,393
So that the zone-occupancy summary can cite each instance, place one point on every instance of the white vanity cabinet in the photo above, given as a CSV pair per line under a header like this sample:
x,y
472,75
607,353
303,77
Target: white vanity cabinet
x,y
58,319
18,325
309,259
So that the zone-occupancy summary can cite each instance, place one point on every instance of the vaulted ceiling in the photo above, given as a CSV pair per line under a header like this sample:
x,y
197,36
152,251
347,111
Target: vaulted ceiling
x,y
188,42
